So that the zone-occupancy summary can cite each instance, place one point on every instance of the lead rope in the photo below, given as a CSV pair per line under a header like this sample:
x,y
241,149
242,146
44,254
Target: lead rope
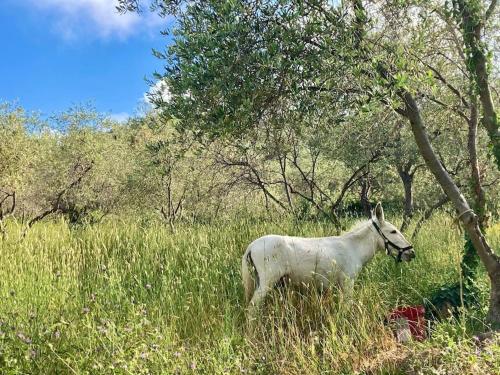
x,y
457,219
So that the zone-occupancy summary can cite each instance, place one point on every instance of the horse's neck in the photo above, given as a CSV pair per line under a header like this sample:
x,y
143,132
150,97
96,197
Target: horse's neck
x,y
364,242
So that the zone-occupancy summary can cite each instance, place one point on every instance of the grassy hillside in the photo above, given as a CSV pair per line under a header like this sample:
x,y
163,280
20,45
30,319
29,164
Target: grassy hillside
x,y
124,298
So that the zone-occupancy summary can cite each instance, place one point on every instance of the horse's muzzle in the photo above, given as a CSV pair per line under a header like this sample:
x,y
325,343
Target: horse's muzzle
x,y
411,254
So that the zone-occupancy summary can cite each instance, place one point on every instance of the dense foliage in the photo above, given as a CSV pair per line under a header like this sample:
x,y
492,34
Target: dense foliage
x,y
83,166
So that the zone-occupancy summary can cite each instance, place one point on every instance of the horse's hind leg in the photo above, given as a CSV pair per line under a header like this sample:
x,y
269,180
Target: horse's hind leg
x,y
258,296
255,303
265,285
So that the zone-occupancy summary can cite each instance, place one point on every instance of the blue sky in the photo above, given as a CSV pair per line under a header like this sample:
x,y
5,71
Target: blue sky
x,y
60,53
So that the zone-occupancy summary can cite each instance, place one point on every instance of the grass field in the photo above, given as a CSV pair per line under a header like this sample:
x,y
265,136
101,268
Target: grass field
x,y
123,298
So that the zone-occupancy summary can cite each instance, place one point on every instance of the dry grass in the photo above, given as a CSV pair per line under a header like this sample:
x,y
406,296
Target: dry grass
x,y
132,299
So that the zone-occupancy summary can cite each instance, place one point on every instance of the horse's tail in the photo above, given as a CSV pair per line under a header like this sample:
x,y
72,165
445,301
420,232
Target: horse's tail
x,y
248,282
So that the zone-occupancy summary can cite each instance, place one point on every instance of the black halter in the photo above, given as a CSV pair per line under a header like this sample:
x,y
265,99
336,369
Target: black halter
x,y
388,242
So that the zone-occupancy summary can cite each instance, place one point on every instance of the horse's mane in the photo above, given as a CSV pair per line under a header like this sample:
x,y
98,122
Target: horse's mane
x,y
358,224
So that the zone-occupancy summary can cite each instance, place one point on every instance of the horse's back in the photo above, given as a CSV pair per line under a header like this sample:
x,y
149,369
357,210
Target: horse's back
x,y
317,261
266,244
292,247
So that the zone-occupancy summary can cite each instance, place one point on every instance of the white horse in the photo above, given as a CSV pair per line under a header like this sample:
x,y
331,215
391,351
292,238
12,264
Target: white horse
x,y
320,261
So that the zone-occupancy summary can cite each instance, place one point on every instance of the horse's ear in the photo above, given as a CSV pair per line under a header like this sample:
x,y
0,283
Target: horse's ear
x,y
379,212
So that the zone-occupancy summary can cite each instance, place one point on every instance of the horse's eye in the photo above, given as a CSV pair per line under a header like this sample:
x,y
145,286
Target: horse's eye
x,y
394,231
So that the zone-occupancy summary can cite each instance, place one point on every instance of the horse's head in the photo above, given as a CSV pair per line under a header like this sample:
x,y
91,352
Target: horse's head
x,y
395,244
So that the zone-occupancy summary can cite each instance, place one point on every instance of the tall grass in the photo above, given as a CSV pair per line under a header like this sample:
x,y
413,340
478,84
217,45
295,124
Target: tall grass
x,y
119,297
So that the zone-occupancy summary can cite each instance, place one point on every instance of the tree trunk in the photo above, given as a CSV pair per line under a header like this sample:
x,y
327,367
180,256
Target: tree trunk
x,y
282,161
471,21
480,196
365,196
407,179
490,260
8,212
494,314
470,260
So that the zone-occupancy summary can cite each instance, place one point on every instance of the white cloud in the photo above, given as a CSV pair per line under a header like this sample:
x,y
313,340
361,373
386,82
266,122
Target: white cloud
x,y
119,117
96,17
159,90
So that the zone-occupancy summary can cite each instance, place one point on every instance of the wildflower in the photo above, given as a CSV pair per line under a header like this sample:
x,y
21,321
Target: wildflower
x,y
85,310
58,274
24,338
92,297
148,286
144,355
177,354
57,334
193,366
488,350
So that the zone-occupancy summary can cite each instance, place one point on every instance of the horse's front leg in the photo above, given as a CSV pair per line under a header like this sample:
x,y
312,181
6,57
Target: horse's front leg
x,y
346,286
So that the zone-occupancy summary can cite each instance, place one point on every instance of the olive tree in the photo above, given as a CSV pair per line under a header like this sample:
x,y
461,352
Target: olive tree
x,y
15,157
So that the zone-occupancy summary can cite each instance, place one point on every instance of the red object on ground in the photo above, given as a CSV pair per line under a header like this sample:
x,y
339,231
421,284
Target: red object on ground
x,y
415,317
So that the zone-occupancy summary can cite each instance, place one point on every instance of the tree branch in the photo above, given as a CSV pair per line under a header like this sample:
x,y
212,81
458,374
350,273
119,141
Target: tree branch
x,y
490,10
56,203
